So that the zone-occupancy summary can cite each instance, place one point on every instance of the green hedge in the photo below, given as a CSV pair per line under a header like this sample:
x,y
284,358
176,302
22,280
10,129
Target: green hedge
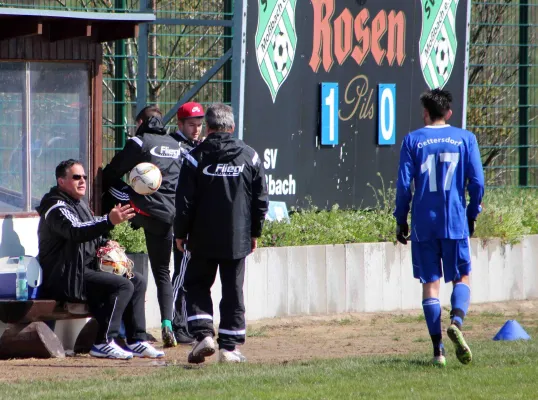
x,y
508,214
133,240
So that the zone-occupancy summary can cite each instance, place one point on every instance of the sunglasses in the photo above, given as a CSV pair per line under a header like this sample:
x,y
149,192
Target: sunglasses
x,y
77,177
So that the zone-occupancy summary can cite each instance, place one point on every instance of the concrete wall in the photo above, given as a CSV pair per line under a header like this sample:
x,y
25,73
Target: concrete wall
x,y
367,277
338,278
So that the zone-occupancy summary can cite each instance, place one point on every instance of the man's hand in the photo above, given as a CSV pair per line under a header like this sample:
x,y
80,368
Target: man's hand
x,y
121,214
471,223
402,233
253,244
180,245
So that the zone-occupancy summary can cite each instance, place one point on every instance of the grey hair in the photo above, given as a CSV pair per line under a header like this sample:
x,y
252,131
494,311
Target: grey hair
x,y
220,117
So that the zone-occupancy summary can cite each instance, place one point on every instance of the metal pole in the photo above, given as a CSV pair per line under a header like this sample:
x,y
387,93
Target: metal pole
x,y
142,80
198,85
120,119
239,45
227,69
27,141
466,71
523,92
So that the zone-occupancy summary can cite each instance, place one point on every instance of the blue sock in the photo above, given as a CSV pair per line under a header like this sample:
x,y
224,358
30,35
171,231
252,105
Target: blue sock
x,y
432,313
461,296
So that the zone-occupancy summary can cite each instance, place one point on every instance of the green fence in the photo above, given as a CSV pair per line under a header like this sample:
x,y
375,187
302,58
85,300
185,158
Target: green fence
x,y
503,84
503,78
177,57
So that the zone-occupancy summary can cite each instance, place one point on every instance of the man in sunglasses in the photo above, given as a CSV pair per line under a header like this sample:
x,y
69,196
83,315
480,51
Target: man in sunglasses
x,y
69,236
154,213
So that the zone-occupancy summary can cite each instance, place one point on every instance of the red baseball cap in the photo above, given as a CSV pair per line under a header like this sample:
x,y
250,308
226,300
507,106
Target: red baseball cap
x,y
190,110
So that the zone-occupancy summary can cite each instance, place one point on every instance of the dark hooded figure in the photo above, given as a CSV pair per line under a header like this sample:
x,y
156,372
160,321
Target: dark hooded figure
x,y
221,203
154,212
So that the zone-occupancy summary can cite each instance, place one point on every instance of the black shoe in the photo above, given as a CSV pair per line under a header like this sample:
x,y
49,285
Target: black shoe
x,y
183,337
168,337
151,338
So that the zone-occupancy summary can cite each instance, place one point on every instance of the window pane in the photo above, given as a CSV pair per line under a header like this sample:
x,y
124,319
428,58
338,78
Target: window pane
x,y
60,100
12,137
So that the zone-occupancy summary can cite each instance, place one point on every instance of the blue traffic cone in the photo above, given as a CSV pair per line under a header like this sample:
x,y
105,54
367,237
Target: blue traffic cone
x,y
511,330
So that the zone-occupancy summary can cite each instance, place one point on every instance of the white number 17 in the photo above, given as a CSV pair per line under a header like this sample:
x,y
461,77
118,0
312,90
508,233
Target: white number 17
x,y
430,167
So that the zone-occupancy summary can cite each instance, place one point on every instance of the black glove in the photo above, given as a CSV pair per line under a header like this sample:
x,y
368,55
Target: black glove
x,y
471,223
402,233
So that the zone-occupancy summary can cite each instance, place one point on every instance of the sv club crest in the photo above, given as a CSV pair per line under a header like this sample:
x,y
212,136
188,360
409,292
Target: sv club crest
x,y
438,41
276,41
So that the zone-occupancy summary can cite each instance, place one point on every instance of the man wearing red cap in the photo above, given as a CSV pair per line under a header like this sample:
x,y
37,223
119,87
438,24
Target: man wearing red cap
x,y
190,118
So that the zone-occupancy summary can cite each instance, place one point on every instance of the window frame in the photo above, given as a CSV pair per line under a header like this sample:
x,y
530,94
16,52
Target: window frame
x,y
93,141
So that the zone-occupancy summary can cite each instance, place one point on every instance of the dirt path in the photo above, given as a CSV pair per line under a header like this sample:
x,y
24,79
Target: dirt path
x,y
299,338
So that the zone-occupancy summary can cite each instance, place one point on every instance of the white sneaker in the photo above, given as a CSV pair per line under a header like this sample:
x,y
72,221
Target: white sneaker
x,y
110,350
145,350
201,350
235,356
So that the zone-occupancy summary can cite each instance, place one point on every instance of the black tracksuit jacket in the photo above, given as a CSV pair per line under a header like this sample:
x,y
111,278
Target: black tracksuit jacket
x,y
68,236
185,143
221,198
151,144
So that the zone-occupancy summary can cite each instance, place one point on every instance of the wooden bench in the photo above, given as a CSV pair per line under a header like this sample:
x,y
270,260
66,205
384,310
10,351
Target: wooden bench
x,y
28,336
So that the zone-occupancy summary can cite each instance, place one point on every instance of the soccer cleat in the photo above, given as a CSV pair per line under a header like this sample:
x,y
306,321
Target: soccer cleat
x,y
463,352
235,356
145,350
169,340
110,350
201,350
439,361
183,337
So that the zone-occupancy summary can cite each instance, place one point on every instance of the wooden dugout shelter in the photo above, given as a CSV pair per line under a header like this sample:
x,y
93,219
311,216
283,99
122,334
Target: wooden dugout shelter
x,y
51,97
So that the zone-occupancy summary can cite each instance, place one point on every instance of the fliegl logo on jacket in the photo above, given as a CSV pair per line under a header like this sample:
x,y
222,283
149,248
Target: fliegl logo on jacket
x,y
438,41
276,41
224,170
165,152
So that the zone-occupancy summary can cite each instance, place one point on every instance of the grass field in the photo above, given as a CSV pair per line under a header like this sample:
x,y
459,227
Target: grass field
x,y
500,370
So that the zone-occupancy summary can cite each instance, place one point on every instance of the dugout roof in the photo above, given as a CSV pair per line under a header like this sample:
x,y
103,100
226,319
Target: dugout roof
x,y
61,25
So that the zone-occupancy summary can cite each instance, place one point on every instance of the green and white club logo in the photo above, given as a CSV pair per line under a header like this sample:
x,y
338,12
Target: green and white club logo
x,y
438,41
276,41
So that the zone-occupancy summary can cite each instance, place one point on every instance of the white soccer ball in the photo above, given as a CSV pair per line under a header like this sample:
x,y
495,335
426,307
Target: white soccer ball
x,y
145,178
280,52
442,57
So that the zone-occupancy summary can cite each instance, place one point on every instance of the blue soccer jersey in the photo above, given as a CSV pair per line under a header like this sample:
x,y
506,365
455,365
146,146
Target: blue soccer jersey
x,y
442,161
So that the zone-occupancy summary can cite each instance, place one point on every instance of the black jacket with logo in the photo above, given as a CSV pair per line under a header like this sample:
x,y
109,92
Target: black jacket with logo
x,y
221,198
68,236
151,144
185,143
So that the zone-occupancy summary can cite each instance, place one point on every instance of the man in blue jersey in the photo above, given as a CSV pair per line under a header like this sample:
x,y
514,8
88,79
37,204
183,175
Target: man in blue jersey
x,y
442,161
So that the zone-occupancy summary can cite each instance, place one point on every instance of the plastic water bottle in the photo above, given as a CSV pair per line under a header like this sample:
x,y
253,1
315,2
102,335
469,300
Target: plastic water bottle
x,y
22,282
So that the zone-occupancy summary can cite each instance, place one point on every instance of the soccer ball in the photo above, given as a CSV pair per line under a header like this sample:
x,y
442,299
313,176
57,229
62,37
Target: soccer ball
x,y
145,178
442,57
280,52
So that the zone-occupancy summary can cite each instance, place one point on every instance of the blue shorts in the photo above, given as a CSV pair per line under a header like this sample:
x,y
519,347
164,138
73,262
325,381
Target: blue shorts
x,y
434,257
